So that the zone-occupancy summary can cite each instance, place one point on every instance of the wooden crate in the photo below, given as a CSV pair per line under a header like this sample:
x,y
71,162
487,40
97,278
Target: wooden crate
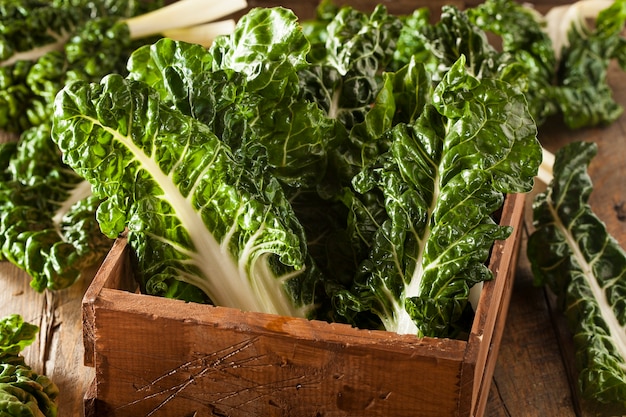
x,y
160,357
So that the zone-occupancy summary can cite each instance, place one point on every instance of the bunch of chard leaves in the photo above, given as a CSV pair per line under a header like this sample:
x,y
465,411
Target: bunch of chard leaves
x,y
47,220
61,34
572,253
303,176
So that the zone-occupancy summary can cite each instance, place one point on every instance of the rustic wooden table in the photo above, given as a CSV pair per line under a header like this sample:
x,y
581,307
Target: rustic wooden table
x,y
530,378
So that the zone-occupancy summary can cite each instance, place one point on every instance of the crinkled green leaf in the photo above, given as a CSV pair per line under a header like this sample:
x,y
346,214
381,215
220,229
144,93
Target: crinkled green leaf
x,y
346,82
489,128
48,226
296,133
267,45
195,210
522,34
585,96
572,253
440,191
22,391
26,393
411,46
91,44
15,335
453,36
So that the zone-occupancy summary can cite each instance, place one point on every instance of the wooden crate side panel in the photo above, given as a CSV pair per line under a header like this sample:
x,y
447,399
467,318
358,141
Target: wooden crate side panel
x,y
146,363
482,389
115,272
488,326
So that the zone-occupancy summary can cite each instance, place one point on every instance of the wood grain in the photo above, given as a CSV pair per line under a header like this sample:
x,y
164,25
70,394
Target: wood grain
x,y
58,351
158,356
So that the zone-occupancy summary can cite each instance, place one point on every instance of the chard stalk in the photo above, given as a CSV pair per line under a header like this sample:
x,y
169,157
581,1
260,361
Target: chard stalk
x,y
182,14
545,169
561,19
36,53
202,34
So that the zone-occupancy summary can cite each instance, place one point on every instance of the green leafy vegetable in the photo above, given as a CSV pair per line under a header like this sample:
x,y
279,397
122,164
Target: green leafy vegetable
x,y
564,59
23,393
572,253
439,193
525,42
194,208
31,30
46,214
221,165
15,335
584,96
47,222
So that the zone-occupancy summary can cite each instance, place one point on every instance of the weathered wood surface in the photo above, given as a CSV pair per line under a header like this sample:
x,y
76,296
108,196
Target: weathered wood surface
x,y
530,378
58,351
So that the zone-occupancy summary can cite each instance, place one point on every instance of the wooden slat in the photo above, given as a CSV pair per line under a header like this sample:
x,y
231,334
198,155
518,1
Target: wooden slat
x,y
491,320
219,359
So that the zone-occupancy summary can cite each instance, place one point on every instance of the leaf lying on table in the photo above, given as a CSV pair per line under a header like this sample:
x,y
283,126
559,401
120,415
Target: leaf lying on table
x,y
43,44
23,392
584,95
565,59
47,222
572,253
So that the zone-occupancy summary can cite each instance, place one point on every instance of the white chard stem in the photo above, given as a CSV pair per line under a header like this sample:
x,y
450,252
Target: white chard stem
x,y
561,19
182,14
545,169
202,34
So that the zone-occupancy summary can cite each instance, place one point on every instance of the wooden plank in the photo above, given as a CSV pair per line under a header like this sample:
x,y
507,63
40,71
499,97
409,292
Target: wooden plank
x,y
223,360
484,340
501,313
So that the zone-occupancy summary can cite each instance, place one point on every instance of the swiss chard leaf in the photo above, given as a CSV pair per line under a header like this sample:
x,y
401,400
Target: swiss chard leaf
x,y
439,192
584,94
195,209
296,133
48,226
523,37
22,391
346,82
572,253
15,335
